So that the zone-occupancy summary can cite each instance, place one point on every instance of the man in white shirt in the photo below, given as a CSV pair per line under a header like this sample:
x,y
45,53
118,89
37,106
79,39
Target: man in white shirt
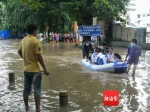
x,y
102,37
94,39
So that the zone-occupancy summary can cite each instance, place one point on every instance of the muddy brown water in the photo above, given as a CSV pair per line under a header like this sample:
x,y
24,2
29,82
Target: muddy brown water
x,y
85,87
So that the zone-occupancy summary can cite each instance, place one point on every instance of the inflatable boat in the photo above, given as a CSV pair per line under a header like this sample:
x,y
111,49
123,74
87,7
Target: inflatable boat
x,y
118,67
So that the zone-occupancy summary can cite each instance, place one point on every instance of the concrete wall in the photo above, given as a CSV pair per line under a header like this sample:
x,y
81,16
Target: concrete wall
x,y
105,28
123,33
145,46
127,34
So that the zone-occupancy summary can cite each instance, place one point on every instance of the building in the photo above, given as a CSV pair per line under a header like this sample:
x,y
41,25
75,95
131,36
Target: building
x,y
131,12
137,10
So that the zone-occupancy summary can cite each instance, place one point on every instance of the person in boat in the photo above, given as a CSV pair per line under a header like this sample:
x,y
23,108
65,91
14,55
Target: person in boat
x,y
117,58
94,57
87,46
95,48
101,47
110,55
107,48
99,54
103,58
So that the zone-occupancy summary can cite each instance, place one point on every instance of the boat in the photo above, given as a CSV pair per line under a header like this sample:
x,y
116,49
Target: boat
x,y
117,67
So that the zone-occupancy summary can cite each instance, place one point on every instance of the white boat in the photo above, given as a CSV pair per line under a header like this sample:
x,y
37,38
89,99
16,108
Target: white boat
x,y
118,67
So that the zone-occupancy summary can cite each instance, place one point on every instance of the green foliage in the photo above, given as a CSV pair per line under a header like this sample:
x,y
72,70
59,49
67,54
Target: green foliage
x,y
110,9
103,9
16,16
59,14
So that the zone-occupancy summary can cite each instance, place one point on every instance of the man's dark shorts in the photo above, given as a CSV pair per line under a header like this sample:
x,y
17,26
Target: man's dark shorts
x,y
34,78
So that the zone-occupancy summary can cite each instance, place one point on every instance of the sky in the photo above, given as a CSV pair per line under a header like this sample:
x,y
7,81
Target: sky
x,y
143,6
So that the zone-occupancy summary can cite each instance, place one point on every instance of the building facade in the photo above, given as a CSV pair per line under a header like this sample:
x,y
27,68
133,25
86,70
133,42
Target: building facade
x,y
137,10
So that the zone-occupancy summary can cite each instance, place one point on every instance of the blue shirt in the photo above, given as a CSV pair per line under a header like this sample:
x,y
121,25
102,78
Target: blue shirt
x,y
102,59
116,60
133,53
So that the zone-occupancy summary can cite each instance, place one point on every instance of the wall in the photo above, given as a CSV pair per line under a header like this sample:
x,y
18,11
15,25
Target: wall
x,y
148,27
105,28
145,46
123,33
127,34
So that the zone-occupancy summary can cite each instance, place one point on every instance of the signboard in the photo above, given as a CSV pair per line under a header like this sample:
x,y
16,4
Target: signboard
x,y
89,30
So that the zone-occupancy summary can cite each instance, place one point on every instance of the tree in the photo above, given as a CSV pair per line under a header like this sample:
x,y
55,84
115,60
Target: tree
x,y
103,9
84,10
61,13
16,16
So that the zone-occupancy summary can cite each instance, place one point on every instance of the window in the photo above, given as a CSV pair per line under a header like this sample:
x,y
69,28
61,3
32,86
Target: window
x,y
138,15
127,17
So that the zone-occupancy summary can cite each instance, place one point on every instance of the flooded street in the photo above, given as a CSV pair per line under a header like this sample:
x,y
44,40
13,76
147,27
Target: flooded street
x,y
85,87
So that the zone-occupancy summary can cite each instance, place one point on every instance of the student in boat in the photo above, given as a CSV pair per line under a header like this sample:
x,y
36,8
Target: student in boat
x,y
103,58
107,48
101,47
110,55
94,57
99,54
117,58
95,49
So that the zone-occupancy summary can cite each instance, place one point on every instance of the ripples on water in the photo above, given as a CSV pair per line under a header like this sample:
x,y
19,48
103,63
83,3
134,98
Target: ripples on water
x,y
84,86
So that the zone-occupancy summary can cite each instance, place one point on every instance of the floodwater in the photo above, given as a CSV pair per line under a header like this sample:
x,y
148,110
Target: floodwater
x,y
85,87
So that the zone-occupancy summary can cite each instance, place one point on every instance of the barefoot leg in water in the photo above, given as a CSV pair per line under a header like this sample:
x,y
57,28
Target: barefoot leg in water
x,y
128,68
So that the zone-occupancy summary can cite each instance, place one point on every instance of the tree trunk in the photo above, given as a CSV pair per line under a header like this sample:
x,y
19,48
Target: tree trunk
x,y
87,18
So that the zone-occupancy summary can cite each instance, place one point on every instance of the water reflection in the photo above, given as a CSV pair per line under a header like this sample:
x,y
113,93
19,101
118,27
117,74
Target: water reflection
x,y
84,86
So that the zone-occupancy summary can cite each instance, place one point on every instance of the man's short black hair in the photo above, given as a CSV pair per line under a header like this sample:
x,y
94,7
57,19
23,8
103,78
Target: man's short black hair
x,y
106,51
31,28
99,50
134,40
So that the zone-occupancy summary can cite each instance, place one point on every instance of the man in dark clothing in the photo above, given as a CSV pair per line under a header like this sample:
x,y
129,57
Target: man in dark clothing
x,y
86,48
